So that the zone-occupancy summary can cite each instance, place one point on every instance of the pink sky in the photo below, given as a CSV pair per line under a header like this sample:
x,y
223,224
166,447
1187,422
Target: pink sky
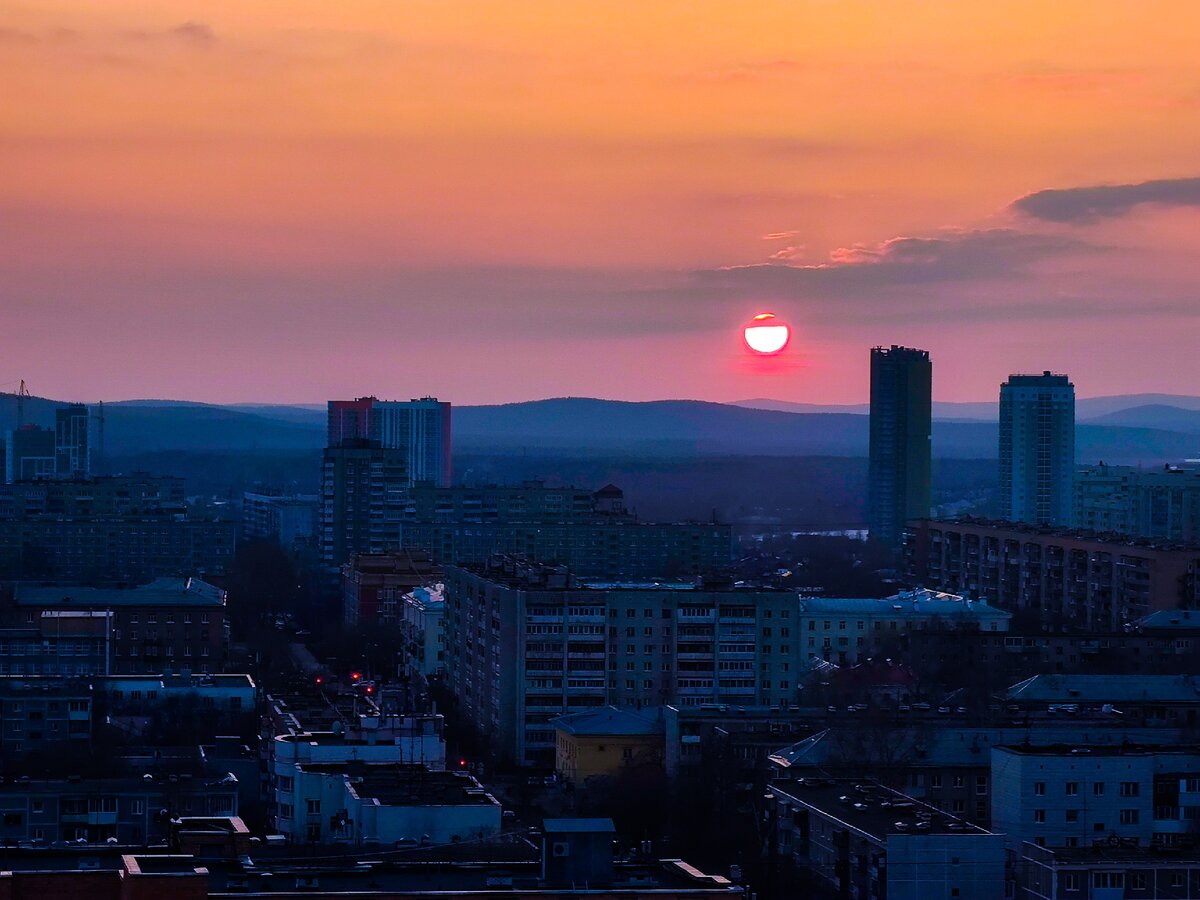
x,y
494,201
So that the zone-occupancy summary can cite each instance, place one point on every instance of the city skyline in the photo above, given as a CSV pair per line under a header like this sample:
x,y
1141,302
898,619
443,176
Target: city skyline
x,y
234,208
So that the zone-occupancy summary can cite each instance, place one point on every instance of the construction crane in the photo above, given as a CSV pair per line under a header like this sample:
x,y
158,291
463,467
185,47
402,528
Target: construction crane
x,y
22,393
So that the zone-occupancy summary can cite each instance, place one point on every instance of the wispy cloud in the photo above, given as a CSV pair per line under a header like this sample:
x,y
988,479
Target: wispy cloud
x,y
1087,205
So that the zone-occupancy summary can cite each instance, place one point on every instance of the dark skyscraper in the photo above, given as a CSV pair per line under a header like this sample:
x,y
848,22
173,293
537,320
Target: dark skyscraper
x,y
1037,448
899,487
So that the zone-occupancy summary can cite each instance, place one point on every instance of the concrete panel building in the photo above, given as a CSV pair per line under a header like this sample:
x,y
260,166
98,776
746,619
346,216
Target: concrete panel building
x,y
1037,449
899,485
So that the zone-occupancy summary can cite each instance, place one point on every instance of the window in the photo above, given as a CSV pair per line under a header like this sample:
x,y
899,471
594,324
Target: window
x,y
981,784
1039,789
1129,788
935,781
39,806
1039,815
1106,880
959,781
1072,788
314,807
1129,817
1070,881
1139,882
136,807
1097,788
1098,827
1071,815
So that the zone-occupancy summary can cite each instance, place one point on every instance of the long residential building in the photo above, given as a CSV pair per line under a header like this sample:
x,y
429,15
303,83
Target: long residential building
x,y
526,643
591,533
1057,578
169,623
1160,503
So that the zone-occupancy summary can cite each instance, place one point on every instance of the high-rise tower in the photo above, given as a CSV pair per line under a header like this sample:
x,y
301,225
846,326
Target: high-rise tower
x,y
899,476
1037,448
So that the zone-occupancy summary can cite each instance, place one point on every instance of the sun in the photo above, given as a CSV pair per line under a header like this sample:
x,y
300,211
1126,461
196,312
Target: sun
x,y
767,335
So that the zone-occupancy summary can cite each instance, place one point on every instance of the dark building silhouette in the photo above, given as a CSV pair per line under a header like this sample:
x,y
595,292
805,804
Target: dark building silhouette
x,y
899,486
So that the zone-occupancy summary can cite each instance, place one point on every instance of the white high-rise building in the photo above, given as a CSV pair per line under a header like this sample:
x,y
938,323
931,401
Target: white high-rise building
x,y
422,429
1037,448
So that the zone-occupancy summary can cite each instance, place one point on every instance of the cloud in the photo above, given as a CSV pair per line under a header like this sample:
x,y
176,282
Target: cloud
x,y
1086,205
196,34
780,235
948,256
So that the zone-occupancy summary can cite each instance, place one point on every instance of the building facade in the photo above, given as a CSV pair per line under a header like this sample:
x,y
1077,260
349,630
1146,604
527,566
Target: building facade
x,y
1057,578
422,623
899,486
847,631
72,442
289,519
363,498
1037,449
1074,796
1159,504
864,840
525,644
167,624
374,584
29,454
420,428
591,533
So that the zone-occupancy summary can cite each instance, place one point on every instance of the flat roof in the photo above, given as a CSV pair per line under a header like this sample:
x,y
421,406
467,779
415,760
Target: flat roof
x,y
1106,689
393,784
1101,749
160,592
871,808
919,602
608,720
578,826
1108,538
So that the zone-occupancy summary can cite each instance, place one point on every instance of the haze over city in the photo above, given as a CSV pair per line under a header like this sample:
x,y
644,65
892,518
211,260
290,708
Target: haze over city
x,y
240,201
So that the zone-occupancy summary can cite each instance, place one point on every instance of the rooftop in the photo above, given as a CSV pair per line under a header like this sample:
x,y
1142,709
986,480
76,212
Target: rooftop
x,y
1106,689
916,602
871,809
391,784
1171,619
160,592
1109,538
1123,749
578,826
609,720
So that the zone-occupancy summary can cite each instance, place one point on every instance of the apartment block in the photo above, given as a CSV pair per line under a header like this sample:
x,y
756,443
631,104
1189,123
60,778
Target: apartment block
x,y
864,840
288,519
170,623
383,804
526,643
1075,796
1160,504
899,476
847,631
374,585
363,497
1037,449
1056,579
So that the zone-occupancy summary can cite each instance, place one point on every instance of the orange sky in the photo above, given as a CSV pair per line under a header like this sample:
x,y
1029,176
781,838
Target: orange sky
x,y
502,200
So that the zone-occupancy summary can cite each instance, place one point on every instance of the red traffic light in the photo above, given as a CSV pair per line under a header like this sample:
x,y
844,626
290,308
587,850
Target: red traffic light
x,y
462,763
356,675
320,680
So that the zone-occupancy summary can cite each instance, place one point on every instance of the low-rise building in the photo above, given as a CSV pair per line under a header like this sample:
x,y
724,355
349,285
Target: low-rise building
x,y
849,630
1070,796
288,519
398,740
384,804
170,623
58,642
865,840
1171,701
603,743
132,810
1055,578
39,713
1106,869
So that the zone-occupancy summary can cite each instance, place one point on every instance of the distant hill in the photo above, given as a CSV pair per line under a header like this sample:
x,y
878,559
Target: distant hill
x,y
1154,415
592,428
